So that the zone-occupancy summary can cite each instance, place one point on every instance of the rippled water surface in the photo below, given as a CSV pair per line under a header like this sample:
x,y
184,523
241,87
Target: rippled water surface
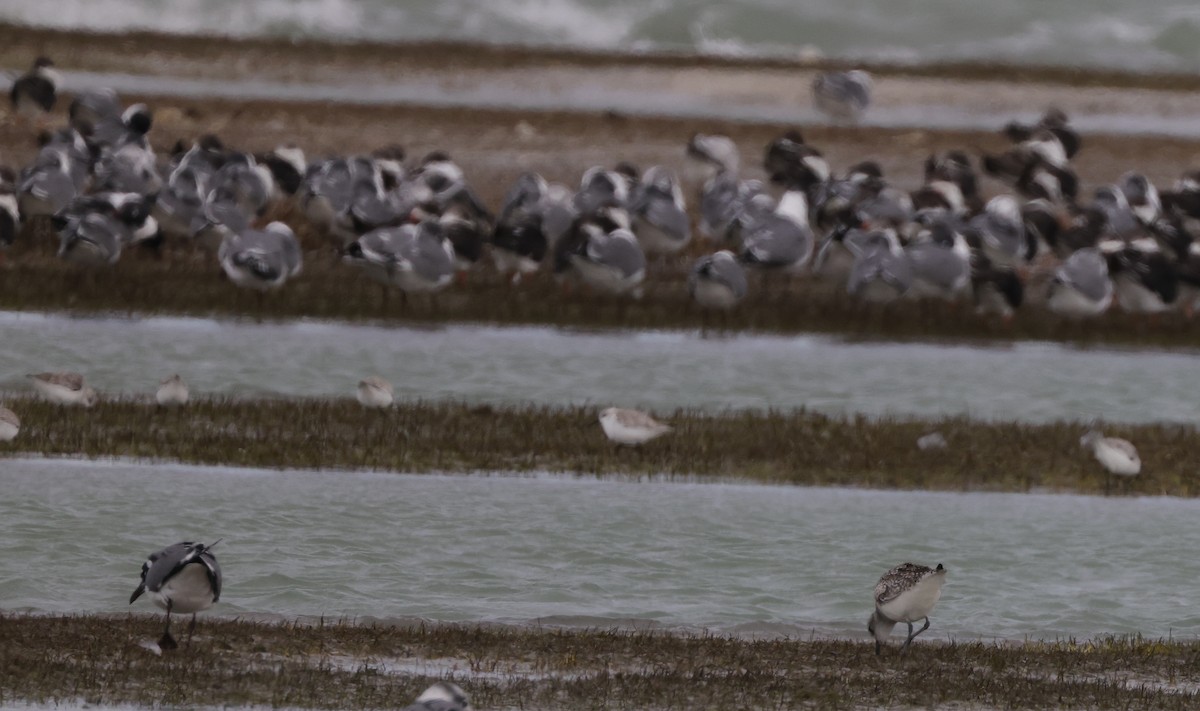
x,y
741,559
1028,381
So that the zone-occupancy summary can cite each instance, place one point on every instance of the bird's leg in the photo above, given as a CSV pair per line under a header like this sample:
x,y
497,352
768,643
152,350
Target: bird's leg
x,y
878,648
191,630
907,641
913,635
167,642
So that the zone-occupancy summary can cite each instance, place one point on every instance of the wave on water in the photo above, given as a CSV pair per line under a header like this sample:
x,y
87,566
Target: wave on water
x,y
1148,35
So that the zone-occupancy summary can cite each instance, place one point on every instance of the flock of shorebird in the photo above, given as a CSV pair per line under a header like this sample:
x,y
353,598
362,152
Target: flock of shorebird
x,y
413,227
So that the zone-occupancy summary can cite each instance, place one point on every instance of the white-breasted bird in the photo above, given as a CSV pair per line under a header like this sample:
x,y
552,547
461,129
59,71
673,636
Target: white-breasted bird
x,y
717,281
63,388
1117,456
10,425
183,578
442,696
172,392
375,392
625,426
905,594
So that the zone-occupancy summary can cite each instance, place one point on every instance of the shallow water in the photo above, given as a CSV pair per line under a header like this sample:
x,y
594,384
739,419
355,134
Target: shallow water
x,y
1142,35
1033,382
743,559
675,102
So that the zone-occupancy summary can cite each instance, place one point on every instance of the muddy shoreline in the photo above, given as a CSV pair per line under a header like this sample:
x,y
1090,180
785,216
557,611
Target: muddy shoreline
x,y
331,664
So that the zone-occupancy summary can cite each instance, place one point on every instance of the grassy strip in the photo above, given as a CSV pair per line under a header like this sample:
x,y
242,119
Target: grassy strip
x,y
99,660
192,284
794,447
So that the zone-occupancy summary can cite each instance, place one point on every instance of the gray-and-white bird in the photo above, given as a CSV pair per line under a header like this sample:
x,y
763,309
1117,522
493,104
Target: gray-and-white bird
x,y
64,388
603,253
172,392
842,95
415,258
940,260
442,696
183,578
10,424
1081,285
93,239
375,392
1118,456
1001,230
660,218
261,259
717,281
881,272
905,594
631,427
776,237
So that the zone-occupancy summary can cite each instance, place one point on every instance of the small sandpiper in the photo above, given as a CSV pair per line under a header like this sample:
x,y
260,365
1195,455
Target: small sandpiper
x,y
442,696
172,392
10,424
906,593
182,578
375,392
64,388
1117,456
630,427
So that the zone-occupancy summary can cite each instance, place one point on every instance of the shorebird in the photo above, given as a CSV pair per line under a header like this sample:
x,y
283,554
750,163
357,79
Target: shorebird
x,y
183,578
34,92
1081,286
1001,230
10,424
64,388
631,427
776,236
940,260
172,391
415,258
1117,456
660,218
717,281
881,272
906,593
375,392
842,95
261,259
442,696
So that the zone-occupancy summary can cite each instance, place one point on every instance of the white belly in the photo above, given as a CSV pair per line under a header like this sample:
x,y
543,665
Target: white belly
x,y
508,262
606,278
714,295
1117,461
656,241
189,591
622,434
1066,301
8,431
172,394
371,396
917,602
59,394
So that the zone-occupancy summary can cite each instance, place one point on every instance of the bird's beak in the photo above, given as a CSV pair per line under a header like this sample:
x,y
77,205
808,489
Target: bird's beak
x,y
137,593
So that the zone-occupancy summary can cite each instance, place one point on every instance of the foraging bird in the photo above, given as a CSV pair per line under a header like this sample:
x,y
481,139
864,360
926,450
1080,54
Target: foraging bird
x,y
1117,456
34,92
717,281
375,392
442,696
842,95
10,424
172,392
906,593
64,388
631,427
183,578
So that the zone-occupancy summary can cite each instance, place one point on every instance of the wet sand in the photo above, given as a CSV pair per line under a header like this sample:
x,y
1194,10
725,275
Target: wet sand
x,y
334,664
